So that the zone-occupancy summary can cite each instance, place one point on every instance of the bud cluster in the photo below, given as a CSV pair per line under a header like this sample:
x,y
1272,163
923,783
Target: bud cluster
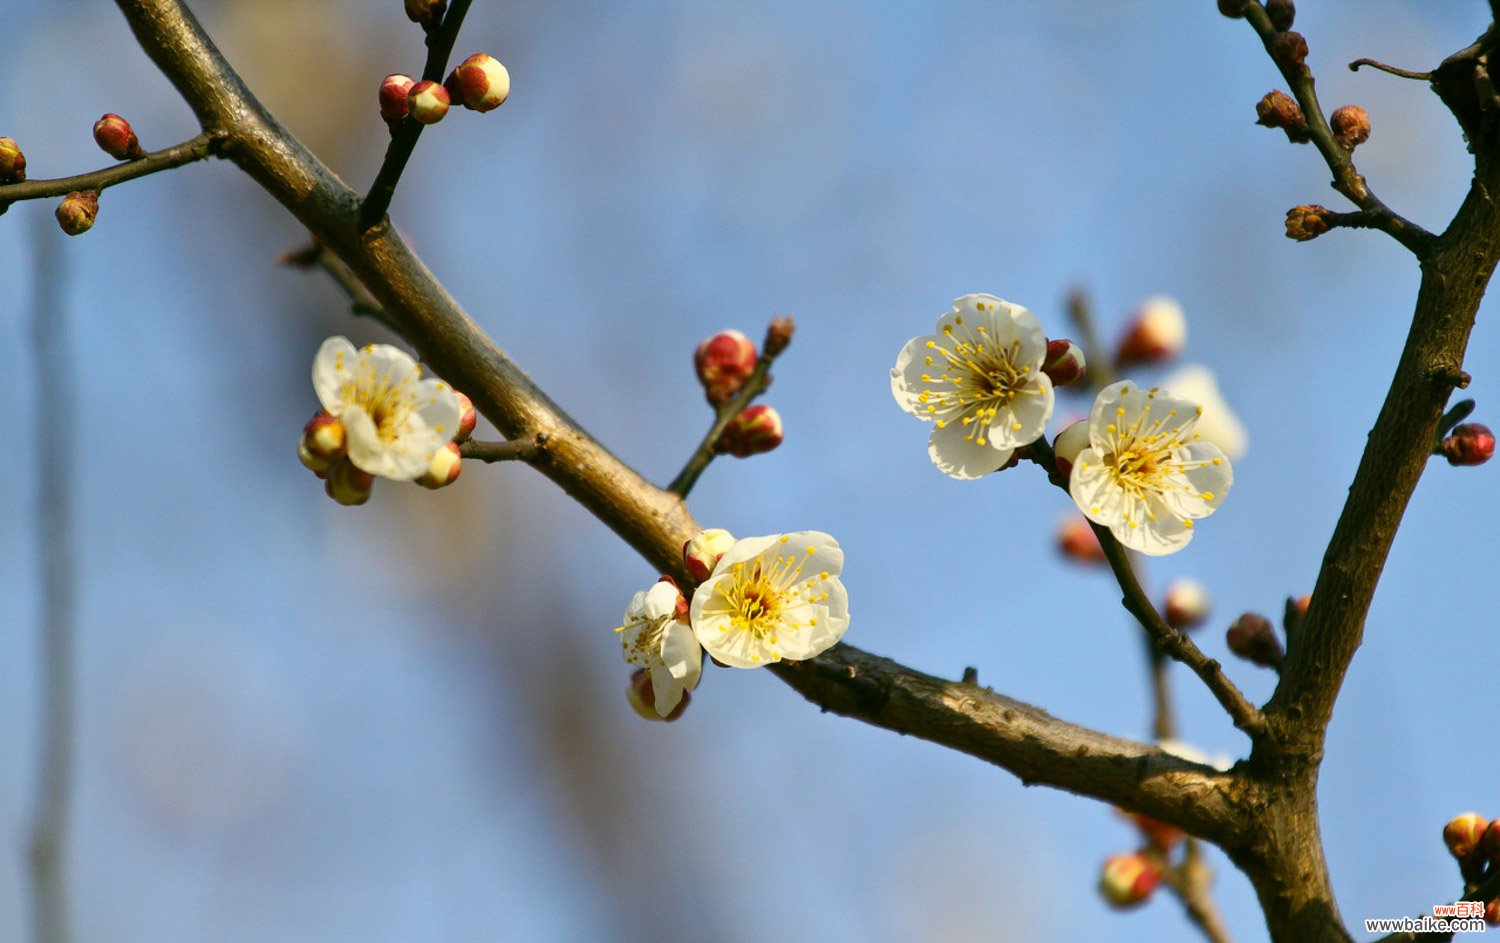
x,y
1474,841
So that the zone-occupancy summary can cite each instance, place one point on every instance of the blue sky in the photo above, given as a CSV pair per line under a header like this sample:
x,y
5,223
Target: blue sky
x,y
406,721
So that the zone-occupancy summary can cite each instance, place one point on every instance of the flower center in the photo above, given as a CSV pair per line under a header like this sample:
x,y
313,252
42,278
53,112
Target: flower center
x,y
977,377
387,401
644,647
755,599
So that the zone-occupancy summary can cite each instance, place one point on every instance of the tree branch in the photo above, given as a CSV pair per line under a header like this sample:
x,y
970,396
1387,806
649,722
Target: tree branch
x,y
205,145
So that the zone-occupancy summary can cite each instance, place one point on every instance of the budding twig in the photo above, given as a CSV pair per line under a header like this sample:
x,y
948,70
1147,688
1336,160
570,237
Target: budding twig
x,y
517,451
755,384
201,147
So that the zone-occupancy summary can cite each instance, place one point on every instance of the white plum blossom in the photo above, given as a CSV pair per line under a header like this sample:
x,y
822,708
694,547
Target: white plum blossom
x,y
771,598
1146,475
978,378
653,638
394,419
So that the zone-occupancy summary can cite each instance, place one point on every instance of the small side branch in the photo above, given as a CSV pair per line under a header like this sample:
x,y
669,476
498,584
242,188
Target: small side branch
x,y
756,384
503,451
199,148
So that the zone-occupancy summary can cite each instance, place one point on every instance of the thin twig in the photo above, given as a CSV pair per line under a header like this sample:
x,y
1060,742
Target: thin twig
x,y
55,385
1377,64
708,448
198,148
1192,881
503,451
404,141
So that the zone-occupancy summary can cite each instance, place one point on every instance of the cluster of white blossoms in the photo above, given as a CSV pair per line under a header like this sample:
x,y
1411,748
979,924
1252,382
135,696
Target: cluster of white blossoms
x,y
763,600
1138,467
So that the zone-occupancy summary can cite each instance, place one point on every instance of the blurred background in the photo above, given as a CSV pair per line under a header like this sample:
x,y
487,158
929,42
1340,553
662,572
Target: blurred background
x,y
406,721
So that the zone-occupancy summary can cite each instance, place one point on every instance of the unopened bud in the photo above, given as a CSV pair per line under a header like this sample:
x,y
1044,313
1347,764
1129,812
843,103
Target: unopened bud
x,y
723,363
1350,125
77,211
1489,845
1308,221
1159,835
1252,638
1469,444
1157,332
1186,605
1234,9
443,470
428,102
116,138
778,336
1277,109
1064,362
425,12
395,90
1492,912
755,430
1127,880
701,554
1077,541
347,484
1065,448
322,443
12,161
1282,13
479,83
468,417
642,697
1463,833
1290,51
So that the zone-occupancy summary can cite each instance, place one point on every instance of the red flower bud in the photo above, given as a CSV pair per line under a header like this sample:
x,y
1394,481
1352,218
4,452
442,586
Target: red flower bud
x,y
468,418
1128,880
322,443
1064,362
447,462
723,363
12,161
116,138
1277,109
1065,448
479,83
1350,125
1308,221
1186,605
395,90
1156,332
1469,444
77,211
755,430
701,554
1463,833
778,336
428,102
1252,638
1078,542
1490,843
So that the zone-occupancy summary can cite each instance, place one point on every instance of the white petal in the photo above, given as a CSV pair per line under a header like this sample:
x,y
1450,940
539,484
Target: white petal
x,y
746,549
962,459
1033,341
366,451
666,692
660,600
1204,486
1094,490
1166,534
1218,424
331,368
907,386
1103,412
1030,410
437,409
681,654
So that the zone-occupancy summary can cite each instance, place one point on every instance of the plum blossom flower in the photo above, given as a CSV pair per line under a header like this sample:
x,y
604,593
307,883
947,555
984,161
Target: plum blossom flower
x,y
771,598
978,378
1146,475
394,419
653,638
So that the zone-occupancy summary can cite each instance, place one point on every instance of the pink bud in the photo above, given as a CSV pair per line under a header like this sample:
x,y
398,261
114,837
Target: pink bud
x,y
642,697
1252,638
723,363
468,418
1063,363
1186,605
1463,833
1469,444
1490,843
701,554
444,468
1078,542
778,336
1157,332
116,138
347,484
425,12
12,161
1065,448
1127,880
755,430
428,102
479,83
1350,125
322,443
395,90
77,211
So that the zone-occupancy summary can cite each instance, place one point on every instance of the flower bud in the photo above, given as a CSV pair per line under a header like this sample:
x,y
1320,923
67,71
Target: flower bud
x,y
755,430
394,92
1290,51
12,161
1234,9
116,138
322,443
479,83
1350,125
428,102
1186,605
1282,13
1463,833
1469,444
1159,835
1277,109
1077,541
1127,880
1252,638
701,554
642,697
1157,332
425,12
778,336
1489,845
468,418
1308,221
1065,448
347,484
1063,362
723,363
1492,912
77,211
444,468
